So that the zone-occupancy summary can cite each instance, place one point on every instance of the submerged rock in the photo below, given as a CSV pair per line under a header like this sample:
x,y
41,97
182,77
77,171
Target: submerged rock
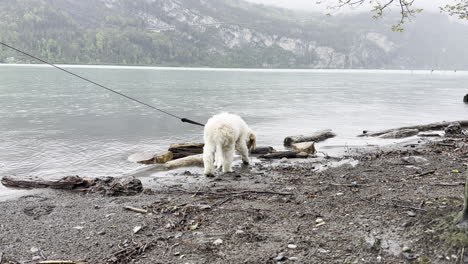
x,y
151,157
402,133
307,147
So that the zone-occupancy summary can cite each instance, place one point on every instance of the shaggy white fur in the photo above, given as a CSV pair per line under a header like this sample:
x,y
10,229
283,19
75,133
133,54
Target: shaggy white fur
x,y
223,134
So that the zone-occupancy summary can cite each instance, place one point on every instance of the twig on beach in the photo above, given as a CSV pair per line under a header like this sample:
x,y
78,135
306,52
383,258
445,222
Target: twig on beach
x,y
348,184
134,209
218,192
448,184
410,207
61,262
427,172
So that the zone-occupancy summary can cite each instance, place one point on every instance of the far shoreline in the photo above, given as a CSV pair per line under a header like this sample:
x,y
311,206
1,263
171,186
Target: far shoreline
x,y
200,68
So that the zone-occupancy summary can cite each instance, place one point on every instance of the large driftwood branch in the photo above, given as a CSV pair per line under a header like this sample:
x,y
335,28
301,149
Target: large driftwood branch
x,y
316,137
107,185
182,150
68,182
428,127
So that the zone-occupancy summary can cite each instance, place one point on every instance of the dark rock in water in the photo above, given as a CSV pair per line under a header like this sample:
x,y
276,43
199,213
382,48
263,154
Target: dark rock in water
x,y
454,130
465,99
262,150
182,150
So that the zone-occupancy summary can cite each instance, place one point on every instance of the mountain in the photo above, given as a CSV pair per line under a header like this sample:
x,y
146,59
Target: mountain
x,y
223,33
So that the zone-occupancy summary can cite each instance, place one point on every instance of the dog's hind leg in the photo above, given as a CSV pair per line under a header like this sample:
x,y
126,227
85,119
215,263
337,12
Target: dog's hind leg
x,y
228,157
243,151
208,159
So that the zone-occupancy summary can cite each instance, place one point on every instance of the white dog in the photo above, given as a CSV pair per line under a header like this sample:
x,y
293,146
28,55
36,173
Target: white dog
x,y
223,134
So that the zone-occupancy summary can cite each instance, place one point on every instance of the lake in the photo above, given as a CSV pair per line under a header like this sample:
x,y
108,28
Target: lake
x,y
52,123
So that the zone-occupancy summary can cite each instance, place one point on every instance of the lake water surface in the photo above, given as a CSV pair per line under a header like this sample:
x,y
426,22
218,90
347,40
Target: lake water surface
x,y
52,123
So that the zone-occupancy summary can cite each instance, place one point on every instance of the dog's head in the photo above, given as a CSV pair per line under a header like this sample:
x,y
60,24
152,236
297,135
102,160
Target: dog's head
x,y
251,141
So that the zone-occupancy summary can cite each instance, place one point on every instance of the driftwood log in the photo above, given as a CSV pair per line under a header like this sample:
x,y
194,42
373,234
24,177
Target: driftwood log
x,y
285,154
420,128
67,183
316,137
182,150
107,185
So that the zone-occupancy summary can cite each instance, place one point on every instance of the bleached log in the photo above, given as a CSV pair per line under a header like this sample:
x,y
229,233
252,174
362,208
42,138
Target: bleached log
x,y
316,137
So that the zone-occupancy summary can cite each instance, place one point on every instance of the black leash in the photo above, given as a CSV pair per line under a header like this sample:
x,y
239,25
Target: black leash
x,y
185,120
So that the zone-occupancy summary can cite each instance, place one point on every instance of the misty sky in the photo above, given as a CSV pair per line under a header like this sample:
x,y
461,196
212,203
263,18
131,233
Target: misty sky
x,y
310,5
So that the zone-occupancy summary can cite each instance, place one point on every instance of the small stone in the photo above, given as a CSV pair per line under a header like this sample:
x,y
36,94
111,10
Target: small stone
x,y
339,194
34,249
176,253
323,251
293,258
178,235
78,227
280,258
318,220
410,256
239,232
137,229
102,232
292,246
411,213
406,249
218,242
36,258
414,159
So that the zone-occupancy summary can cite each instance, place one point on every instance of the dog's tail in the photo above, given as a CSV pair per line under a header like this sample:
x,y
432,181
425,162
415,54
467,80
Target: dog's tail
x,y
224,136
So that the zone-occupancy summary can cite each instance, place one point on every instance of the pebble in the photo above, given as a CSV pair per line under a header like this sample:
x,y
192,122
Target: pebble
x,y
78,227
102,232
411,214
137,229
34,249
239,232
293,258
339,194
218,242
292,246
318,220
177,253
406,249
280,258
322,250
36,258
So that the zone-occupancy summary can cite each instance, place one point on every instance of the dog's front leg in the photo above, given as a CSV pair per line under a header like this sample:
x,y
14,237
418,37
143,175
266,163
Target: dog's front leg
x,y
243,151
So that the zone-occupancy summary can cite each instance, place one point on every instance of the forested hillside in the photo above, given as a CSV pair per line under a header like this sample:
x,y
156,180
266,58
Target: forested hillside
x,y
222,33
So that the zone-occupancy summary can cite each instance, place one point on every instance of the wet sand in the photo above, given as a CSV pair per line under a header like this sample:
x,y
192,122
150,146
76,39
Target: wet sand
x,y
366,211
